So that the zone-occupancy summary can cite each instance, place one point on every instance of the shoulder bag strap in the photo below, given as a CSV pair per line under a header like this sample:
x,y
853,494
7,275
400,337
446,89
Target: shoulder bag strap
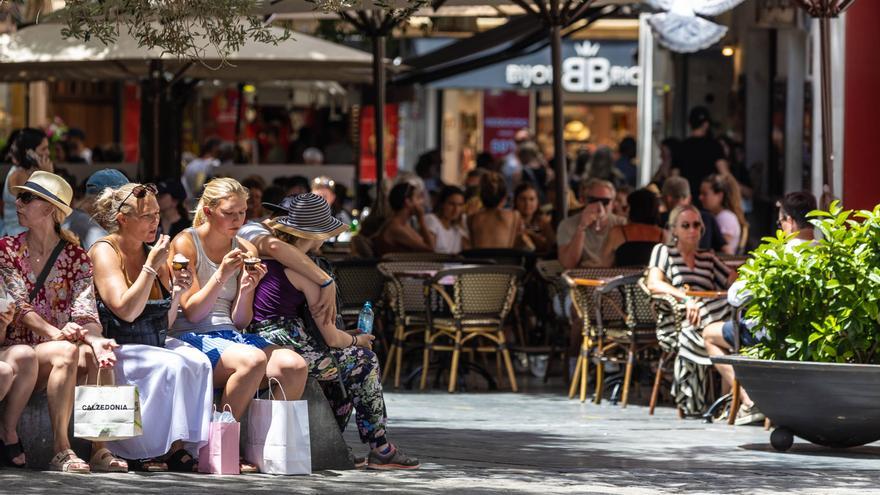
x,y
48,268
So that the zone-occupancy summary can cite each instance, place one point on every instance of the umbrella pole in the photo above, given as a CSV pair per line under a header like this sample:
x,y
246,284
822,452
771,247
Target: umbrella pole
x,y
827,111
379,113
561,171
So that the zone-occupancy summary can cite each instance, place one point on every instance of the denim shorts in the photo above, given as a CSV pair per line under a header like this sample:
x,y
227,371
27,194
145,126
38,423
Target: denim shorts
x,y
212,344
746,338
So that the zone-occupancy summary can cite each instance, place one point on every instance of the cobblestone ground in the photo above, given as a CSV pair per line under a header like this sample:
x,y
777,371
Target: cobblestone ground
x,y
503,443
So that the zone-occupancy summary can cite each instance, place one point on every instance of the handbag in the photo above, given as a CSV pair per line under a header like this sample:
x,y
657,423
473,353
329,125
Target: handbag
x,y
103,413
220,454
150,328
278,435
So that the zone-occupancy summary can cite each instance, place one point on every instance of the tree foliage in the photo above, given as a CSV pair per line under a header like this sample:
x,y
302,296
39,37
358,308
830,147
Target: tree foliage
x,y
190,29
819,301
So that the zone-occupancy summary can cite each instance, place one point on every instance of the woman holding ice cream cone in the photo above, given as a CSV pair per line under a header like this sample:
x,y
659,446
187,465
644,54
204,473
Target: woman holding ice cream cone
x,y
174,381
219,303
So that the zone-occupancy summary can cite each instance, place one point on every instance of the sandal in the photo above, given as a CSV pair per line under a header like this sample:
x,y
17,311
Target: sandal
x,y
247,468
10,452
67,461
105,462
177,463
148,466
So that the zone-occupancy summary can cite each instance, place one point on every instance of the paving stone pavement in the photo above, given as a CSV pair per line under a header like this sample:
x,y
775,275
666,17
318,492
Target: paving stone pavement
x,y
504,443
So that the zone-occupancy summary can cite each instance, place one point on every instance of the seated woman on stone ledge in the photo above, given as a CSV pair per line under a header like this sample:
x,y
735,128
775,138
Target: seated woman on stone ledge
x,y
344,363
18,375
49,276
219,303
134,282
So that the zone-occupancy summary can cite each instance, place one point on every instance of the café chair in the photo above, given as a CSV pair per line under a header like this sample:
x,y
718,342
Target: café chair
x,y
479,300
421,257
406,301
358,281
625,321
582,284
556,323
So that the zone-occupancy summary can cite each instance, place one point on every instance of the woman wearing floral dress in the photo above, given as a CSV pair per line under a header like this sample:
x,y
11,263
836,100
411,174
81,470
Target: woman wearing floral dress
x,y
62,313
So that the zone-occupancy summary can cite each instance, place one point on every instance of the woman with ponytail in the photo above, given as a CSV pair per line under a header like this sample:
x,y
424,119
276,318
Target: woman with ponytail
x,y
220,302
49,276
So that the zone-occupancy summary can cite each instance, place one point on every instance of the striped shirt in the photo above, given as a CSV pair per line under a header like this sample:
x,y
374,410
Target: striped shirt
x,y
708,274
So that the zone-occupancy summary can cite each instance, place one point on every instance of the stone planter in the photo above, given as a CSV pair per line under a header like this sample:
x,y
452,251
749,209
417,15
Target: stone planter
x,y
830,404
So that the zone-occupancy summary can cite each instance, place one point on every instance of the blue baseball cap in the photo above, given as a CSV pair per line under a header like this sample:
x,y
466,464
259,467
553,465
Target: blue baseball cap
x,y
104,178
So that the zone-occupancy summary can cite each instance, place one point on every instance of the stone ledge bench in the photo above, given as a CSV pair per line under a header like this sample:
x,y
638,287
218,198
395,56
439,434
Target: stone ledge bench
x,y
329,450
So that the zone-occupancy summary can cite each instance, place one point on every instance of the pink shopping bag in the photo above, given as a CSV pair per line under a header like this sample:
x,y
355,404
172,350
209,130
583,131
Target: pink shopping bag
x,y
221,454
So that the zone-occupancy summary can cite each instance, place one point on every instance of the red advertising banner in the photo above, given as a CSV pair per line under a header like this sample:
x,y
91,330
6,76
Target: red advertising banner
x,y
504,113
368,143
131,122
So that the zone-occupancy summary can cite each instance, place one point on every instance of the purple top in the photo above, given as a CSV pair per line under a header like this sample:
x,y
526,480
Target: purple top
x,y
276,296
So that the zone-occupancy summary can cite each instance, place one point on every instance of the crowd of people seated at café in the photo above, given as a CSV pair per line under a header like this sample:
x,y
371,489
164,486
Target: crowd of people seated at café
x,y
227,327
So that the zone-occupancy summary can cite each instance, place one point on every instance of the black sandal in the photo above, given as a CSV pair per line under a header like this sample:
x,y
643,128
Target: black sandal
x,y
10,452
176,463
147,465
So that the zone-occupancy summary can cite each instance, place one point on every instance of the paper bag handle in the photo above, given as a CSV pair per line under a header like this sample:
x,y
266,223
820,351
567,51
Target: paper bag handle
x,y
98,377
271,395
225,407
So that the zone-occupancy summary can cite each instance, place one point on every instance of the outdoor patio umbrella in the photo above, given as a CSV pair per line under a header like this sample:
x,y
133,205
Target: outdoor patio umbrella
x,y
40,52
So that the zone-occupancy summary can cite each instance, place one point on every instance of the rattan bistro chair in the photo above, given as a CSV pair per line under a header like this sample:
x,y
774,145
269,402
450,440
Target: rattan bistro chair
x,y
358,280
582,283
630,327
419,257
482,298
407,304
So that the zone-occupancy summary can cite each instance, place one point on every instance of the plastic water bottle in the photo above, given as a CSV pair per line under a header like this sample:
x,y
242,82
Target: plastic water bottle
x,y
365,319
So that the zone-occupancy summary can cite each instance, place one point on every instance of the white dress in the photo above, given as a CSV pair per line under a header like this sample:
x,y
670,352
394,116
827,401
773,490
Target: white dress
x,y
176,392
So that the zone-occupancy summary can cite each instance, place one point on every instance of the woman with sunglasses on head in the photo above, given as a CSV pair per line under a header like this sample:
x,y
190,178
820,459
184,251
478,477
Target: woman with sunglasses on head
x,y
174,381
280,305
674,269
50,277
220,302
29,152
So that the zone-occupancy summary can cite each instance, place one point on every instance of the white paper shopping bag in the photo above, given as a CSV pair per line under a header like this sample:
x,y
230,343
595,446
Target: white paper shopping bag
x,y
278,435
104,413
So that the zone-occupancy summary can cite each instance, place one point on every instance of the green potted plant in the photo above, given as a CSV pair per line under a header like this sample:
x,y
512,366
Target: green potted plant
x,y
815,306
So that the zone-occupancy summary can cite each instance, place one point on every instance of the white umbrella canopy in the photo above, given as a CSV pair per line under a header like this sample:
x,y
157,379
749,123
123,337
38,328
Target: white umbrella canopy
x,y
40,52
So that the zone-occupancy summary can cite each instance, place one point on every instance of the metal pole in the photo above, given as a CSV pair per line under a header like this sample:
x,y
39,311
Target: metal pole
x,y
379,114
561,207
827,123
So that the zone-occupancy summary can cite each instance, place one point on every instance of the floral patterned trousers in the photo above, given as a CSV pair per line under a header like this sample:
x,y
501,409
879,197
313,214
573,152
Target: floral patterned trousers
x,y
356,368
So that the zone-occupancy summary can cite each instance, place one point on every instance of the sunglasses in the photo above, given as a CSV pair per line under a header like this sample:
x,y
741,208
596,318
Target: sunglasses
x,y
596,199
688,225
26,197
139,192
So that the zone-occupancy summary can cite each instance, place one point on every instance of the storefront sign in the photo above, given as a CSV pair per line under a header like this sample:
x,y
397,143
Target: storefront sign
x,y
368,143
587,72
504,113
588,66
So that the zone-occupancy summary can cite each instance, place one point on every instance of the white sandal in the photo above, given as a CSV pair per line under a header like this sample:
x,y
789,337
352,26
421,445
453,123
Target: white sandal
x,y
67,461
105,462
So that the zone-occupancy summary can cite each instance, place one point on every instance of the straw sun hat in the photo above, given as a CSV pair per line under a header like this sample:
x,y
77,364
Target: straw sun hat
x,y
309,217
50,187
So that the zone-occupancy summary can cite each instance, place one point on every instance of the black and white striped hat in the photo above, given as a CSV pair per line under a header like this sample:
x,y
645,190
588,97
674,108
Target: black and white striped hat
x,y
309,216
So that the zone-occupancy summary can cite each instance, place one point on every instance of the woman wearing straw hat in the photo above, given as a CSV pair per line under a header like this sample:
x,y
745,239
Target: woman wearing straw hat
x,y
279,304
219,303
50,277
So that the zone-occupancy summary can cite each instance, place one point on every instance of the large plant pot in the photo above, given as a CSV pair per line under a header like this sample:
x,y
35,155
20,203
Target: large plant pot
x,y
830,404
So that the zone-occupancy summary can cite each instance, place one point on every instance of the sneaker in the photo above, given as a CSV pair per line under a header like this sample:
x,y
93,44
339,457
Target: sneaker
x,y
395,459
748,415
